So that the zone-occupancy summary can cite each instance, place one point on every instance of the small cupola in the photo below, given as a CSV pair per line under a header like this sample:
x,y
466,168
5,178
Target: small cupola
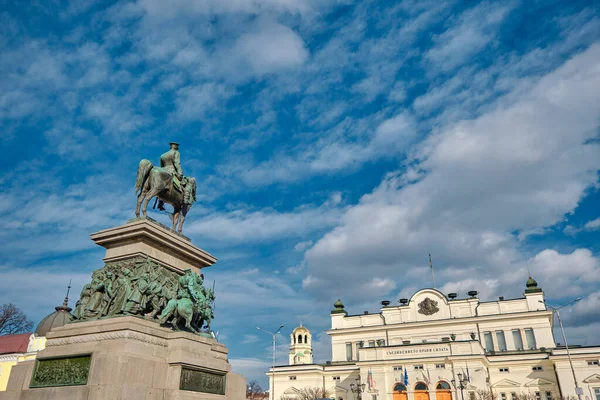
x,y
532,286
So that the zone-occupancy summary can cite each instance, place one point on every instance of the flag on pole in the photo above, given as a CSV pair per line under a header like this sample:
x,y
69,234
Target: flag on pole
x,y
432,275
468,375
370,380
405,377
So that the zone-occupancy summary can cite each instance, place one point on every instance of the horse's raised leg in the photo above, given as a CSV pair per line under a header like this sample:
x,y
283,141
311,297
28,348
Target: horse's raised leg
x,y
188,323
151,193
140,198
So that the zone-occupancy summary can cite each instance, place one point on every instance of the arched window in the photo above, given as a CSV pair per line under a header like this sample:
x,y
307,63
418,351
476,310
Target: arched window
x,y
294,339
442,386
421,386
300,339
305,338
399,387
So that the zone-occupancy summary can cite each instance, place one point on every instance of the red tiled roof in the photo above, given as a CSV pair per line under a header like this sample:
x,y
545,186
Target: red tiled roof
x,y
14,343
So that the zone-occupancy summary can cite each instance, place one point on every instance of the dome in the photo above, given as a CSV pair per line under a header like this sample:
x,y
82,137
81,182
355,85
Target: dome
x,y
339,308
532,286
60,317
300,329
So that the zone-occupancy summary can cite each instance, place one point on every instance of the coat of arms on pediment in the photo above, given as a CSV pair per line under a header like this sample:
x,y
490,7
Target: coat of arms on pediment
x,y
428,307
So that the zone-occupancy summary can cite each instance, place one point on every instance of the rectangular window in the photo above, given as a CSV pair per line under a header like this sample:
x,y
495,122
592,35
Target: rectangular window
x,y
420,366
593,362
336,378
397,368
373,397
518,339
501,340
503,396
358,346
538,396
371,343
292,378
503,369
489,343
597,393
548,395
472,396
530,337
537,368
348,351
445,339
513,395
406,342
440,366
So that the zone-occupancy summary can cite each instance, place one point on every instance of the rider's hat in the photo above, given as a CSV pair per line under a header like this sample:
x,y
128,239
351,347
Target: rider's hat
x,y
170,143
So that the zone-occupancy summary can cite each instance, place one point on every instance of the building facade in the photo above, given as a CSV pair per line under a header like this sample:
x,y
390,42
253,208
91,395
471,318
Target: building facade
x,y
438,347
25,346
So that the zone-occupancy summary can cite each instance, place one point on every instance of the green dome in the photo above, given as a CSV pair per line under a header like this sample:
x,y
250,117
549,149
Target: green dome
x,y
532,286
339,308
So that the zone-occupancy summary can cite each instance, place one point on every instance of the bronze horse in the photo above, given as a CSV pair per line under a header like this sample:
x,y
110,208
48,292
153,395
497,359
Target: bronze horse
x,y
154,181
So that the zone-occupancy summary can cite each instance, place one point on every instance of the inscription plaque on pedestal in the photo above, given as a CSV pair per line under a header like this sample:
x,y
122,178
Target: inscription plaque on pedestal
x,y
65,371
202,381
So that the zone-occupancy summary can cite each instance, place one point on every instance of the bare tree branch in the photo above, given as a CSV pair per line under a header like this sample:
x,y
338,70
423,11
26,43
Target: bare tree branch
x,y
13,320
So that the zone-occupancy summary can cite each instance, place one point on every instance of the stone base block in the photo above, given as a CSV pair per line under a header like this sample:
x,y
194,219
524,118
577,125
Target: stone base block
x,y
129,359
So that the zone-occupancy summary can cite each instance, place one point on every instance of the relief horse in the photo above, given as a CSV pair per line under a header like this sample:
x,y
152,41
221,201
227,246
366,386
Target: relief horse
x,y
154,181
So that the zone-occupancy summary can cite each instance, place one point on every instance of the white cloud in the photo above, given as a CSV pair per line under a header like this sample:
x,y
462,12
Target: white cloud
x,y
473,31
249,339
270,48
301,246
345,148
465,189
194,102
251,226
583,312
253,369
592,225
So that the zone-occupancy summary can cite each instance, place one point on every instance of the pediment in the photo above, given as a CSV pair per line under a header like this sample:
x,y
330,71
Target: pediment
x,y
506,383
291,390
538,382
595,378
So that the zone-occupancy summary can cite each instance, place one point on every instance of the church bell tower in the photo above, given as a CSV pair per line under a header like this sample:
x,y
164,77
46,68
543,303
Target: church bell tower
x,y
301,346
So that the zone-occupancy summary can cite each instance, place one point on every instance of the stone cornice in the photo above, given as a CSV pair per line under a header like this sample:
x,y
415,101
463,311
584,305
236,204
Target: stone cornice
x,y
99,337
10,357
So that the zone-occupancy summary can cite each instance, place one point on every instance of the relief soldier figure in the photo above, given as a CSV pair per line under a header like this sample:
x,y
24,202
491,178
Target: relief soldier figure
x,y
141,286
108,293
81,304
94,304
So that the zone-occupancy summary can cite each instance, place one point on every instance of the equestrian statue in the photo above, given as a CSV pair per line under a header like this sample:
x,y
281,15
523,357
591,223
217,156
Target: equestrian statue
x,y
168,184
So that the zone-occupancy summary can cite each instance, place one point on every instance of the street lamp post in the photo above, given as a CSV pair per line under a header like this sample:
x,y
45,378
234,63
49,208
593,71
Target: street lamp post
x,y
555,310
462,384
357,388
273,364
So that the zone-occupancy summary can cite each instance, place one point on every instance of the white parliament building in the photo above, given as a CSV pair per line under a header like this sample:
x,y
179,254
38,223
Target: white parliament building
x,y
438,347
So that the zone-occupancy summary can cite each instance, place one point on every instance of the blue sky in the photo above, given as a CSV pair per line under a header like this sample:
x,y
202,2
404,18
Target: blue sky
x,y
335,144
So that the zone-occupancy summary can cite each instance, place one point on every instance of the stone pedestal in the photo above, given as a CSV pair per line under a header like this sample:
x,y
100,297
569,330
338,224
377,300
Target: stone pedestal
x,y
145,237
130,357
